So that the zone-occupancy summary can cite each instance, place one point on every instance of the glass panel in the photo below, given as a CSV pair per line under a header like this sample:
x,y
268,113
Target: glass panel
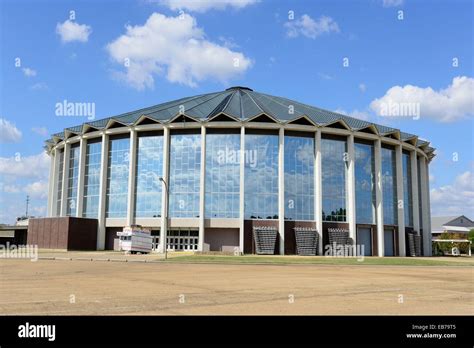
x,y
117,177
333,169
389,187
60,183
222,175
92,180
261,176
185,170
72,180
407,190
388,243
299,178
365,183
149,170
364,237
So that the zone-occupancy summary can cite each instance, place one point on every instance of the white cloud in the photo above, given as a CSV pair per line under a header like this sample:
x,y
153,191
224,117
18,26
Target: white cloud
x,y
71,31
205,5
8,132
356,113
392,3
43,131
9,188
40,86
35,166
446,105
176,47
37,189
454,199
311,28
29,72
325,76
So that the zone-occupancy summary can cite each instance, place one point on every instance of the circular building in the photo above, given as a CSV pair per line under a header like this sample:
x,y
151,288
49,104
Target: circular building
x,y
245,172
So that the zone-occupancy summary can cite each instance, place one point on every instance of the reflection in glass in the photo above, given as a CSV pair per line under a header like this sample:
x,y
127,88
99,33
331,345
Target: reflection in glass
x,y
299,178
185,167
92,179
72,180
149,168
60,183
261,176
333,171
389,187
117,177
407,190
365,183
222,175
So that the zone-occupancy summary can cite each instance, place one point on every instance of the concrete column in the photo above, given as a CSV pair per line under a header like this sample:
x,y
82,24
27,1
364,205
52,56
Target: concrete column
x,y
318,196
103,192
57,157
427,244
400,201
64,203
281,189
202,190
242,189
51,183
351,203
426,215
131,177
164,194
379,197
81,177
414,191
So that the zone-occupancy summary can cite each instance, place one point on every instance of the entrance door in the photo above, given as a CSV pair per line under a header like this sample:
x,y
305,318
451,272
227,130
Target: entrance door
x,y
388,242
364,237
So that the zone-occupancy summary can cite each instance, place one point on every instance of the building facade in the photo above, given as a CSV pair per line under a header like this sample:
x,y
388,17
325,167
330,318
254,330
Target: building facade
x,y
208,169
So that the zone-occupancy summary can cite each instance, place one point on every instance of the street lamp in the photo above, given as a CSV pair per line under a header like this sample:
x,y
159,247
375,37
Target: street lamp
x,y
166,217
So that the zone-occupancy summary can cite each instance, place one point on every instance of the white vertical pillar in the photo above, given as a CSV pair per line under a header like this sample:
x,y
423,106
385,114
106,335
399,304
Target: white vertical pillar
x,y
414,191
164,193
400,201
379,197
64,202
242,189
351,204
281,189
202,190
103,192
52,181
427,242
318,196
81,177
425,207
131,177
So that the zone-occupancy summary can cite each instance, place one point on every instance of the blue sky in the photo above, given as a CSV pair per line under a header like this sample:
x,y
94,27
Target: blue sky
x,y
299,57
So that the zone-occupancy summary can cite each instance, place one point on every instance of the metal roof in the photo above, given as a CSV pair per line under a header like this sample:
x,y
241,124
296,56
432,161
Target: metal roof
x,y
241,103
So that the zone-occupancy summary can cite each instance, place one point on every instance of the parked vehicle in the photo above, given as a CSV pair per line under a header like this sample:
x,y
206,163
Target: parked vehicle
x,y
135,239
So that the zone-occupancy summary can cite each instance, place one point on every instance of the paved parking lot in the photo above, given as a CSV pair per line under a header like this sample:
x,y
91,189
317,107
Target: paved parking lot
x,y
101,287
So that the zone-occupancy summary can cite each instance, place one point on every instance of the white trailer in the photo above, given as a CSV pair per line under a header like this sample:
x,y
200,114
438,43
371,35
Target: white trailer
x,y
135,239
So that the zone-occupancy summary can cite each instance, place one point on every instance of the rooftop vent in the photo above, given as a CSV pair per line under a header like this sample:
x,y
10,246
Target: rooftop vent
x,y
238,87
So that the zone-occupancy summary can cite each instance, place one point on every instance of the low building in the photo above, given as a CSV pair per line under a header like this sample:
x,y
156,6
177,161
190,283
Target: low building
x,y
457,226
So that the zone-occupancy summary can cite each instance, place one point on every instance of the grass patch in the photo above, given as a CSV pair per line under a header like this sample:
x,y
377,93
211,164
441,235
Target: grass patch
x,y
288,260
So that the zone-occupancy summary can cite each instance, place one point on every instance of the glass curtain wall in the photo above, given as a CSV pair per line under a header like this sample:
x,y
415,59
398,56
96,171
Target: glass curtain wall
x,y
92,179
299,177
222,174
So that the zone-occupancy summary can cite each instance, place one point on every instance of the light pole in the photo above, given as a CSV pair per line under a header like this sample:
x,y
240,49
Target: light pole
x,y
165,247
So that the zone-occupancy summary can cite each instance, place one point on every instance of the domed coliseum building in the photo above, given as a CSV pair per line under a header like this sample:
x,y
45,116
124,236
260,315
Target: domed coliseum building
x,y
246,172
